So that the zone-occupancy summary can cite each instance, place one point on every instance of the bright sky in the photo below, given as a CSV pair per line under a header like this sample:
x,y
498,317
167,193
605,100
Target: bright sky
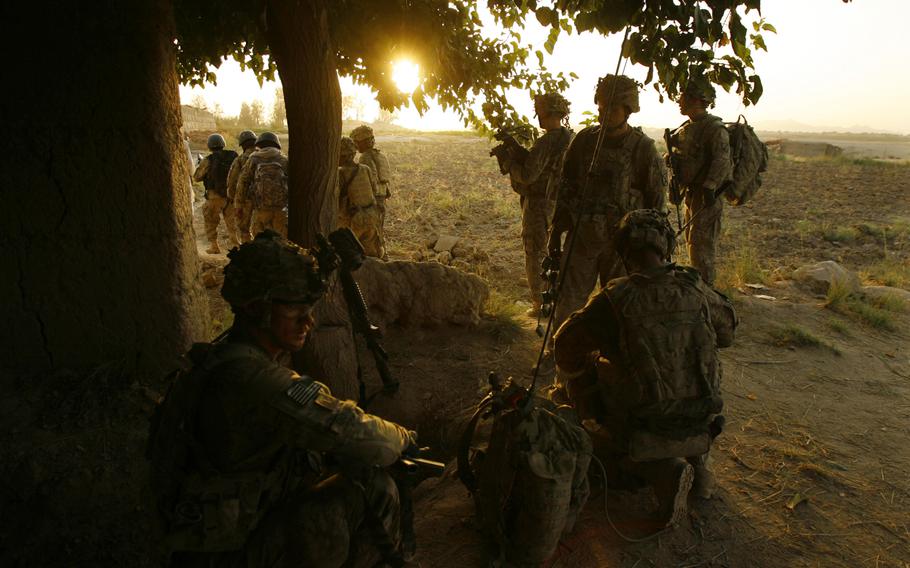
x,y
830,65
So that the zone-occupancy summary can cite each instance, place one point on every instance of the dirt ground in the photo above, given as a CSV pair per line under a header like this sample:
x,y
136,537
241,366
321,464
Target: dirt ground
x,y
813,464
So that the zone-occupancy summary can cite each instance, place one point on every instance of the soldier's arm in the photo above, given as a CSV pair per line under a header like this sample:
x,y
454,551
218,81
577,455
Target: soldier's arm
x,y
374,181
723,316
339,426
201,170
233,176
572,172
653,178
587,330
245,177
720,165
535,164
384,173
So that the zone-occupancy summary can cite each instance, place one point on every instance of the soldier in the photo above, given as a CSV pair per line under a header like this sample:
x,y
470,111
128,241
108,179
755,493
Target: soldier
x,y
241,210
652,392
536,180
212,171
264,181
701,157
358,192
628,175
378,162
270,469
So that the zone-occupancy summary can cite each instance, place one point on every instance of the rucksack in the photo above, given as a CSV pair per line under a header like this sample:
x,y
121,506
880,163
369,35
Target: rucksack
x,y
270,186
219,166
750,160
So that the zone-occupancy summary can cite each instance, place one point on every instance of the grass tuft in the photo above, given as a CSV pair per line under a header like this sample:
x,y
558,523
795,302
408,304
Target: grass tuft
x,y
793,335
890,271
502,317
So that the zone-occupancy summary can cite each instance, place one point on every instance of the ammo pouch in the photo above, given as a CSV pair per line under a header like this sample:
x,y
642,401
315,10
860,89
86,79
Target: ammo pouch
x,y
675,429
218,513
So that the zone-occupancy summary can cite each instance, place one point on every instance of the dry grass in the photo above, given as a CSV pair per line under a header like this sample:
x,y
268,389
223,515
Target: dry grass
x,y
793,335
890,271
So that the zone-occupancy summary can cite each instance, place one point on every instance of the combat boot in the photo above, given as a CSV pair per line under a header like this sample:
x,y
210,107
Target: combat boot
x,y
705,483
673,491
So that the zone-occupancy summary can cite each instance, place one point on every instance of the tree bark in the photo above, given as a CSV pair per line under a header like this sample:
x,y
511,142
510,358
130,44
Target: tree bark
x,y
300,42
96,239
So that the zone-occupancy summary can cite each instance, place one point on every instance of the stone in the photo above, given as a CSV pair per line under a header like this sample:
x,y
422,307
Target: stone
x,y
819,277
445,257
445,243
887,291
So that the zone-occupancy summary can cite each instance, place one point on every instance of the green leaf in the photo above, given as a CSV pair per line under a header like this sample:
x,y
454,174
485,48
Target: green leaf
x,y
547,16
768,27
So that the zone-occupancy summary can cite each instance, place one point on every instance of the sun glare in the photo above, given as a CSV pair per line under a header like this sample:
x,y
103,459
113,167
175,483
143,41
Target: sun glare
x,y
406,75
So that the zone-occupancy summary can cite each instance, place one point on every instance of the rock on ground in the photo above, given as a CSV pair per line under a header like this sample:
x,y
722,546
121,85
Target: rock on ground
x,y
886,291
819,277
414,294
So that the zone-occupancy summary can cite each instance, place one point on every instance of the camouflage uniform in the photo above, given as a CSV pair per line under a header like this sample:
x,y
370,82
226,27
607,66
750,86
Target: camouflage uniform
x,y
275,218
538,179
702,156
379,164
649,376
216,199
629,175
241,208
364,220
257,489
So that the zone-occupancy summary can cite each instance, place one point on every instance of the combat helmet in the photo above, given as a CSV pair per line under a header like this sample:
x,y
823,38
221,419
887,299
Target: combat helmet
x,y
551,103
701,89
348,148
271,269
618,89
246,136
361,133
645,228
215,141
267,139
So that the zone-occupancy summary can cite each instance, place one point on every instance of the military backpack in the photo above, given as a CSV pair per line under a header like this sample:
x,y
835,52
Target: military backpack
x,y
270,186
750,160
217,174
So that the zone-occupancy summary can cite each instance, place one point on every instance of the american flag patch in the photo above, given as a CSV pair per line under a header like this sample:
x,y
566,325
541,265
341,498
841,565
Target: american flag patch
x,y
303,392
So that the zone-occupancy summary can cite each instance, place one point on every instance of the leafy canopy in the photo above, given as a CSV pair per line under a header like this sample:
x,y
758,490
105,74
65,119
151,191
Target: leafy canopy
x,y
469,68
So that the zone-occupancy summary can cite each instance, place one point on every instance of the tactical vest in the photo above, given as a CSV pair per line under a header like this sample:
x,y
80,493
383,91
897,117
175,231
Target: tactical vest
x,y
690,149
356,187
611,190
199,508
668,346
219,166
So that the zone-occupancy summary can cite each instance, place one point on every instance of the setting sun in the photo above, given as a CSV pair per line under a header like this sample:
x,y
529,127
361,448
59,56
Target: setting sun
x,y
406,75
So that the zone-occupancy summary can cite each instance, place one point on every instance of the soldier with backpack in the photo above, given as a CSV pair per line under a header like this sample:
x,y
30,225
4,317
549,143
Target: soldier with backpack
x,y
371,156
639,363
702,166
264,180
212,171
358,202
254,465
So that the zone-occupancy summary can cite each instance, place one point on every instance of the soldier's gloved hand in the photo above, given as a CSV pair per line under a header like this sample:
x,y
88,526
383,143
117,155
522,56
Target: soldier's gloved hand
x,y
413,448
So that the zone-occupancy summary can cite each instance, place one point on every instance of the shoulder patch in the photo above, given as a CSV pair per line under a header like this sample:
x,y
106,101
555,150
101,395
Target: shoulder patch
x,y
303,392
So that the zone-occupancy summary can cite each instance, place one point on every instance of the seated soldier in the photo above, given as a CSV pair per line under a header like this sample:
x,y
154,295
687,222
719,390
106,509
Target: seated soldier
x,y
640,364
275,469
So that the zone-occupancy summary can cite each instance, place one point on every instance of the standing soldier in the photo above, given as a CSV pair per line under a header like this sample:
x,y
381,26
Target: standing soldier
x,y
536,179
702,165
212,171
240,210
628,175
357,200
264,180
377,161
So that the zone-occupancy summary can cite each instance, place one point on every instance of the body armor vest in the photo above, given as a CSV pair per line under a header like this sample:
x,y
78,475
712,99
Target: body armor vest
x,y
690,153
666,338
356,187
611,190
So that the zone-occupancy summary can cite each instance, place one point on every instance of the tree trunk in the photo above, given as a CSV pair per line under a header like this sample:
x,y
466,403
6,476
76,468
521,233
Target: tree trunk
x,y
300,42
98,252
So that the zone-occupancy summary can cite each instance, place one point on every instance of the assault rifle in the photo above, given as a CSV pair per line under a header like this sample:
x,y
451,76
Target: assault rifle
x,y
675,193
508,150
408,473
349,254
